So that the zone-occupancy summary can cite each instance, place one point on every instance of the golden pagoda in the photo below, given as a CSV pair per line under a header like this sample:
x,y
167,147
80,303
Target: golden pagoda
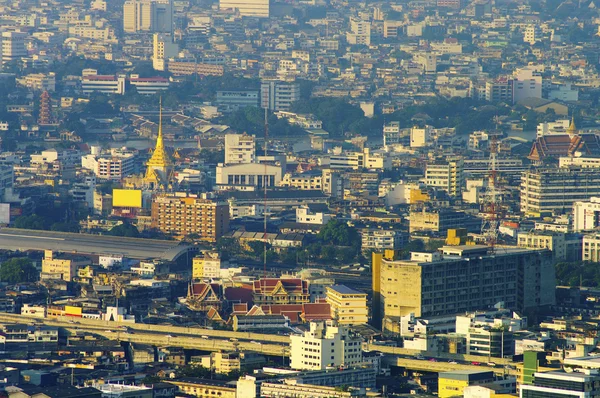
x,y
572,130
159,169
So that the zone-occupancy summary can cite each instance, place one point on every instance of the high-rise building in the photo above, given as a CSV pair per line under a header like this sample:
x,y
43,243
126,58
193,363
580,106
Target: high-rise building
x,y
360,32
13,46
251,8
552,190
325,345
163,48
182,215
147,16
240,149
446,174
459,279
560,384
45,116
278,95
527,83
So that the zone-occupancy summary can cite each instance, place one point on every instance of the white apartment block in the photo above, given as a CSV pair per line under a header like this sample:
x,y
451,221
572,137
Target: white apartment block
x,y
249,176
420,137
39,81
527,83
305,216
240,149
550,128
251,8
360,160
447,175
591,248
13,46
586,215
163,48
323,346
360,32
581,161
278,95
381,239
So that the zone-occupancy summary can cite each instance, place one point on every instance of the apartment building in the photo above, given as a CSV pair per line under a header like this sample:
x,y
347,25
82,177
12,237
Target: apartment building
x,y
325,345
446,174
381,239
464,278
64,266
187,67
586,215
278,95
348,306
183,214
240,149
360,160
39,81
13,46
206,265
555,190
147,16
252,8
556,242
435,219
560,384
163,49
149,85
110,167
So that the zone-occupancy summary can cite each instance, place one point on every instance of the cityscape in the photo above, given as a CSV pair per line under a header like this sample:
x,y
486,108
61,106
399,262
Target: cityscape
x,y
299,198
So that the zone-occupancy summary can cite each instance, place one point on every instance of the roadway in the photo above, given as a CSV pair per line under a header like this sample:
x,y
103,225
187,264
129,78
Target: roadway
x,y
135,248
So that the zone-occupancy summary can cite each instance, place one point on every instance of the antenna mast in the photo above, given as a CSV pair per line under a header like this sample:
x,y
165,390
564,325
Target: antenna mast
x,y
265,183
491,207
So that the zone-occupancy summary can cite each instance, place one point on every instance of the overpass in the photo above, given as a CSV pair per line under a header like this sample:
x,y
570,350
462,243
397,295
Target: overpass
x,y
161,335
135,248
424,365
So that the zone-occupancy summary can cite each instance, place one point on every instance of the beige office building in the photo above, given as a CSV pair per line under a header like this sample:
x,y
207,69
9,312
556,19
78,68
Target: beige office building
x,y
348,306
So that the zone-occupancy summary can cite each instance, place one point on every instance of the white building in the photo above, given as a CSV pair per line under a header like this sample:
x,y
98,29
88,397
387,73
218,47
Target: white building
x,y
39,81
248,176
391,133
532,34
591,248
579,161
240,149
251,8
148,16
558,127
420,137
447,175
527,83
564,92
163,48
113,167
278,95
305,216
103,84
427,60
360,32
149,85
478,140
380,239
123,390
360,160
13,46
323,346
586,215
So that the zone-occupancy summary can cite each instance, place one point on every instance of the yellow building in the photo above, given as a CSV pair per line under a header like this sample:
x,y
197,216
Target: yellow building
x,y
348,306
207,265
204,388
66,266
459,236
452,384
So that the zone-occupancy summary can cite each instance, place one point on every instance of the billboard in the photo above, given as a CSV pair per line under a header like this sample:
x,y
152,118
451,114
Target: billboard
x,y
127,198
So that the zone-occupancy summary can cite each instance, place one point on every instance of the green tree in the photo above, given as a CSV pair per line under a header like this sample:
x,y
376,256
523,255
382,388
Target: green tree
x,y
18,270
65,227
126,230
31,222
339,233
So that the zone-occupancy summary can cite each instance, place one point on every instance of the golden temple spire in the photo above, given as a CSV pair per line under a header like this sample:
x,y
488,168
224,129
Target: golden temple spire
x,y
160,165
572,130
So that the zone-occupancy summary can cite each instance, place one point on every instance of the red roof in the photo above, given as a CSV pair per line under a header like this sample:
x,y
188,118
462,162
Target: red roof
x,y
316,311
239,294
